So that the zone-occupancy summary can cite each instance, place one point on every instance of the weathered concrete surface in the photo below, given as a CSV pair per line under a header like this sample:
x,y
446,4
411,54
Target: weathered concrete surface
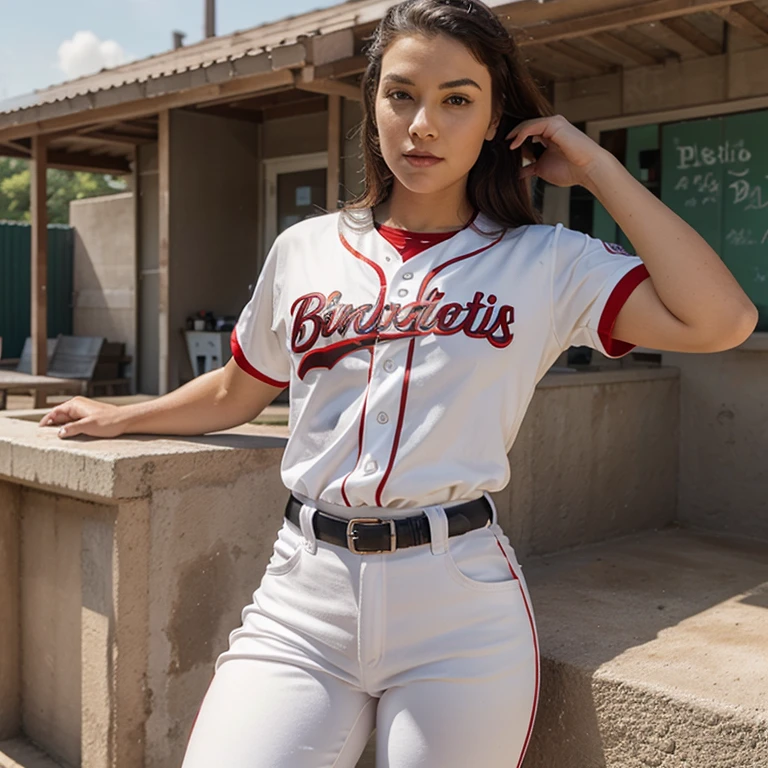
x,y
724,440
140,552
128,467
654,653
596,457
19,753
10,633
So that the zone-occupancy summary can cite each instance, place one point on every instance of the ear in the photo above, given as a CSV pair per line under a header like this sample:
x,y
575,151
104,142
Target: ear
x,y
492,128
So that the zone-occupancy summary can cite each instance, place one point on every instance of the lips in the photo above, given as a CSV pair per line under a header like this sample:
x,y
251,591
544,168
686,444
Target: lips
x,y
421,154
422,160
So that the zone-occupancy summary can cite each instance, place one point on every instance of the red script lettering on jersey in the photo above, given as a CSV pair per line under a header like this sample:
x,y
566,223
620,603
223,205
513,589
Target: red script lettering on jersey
x,y
315,315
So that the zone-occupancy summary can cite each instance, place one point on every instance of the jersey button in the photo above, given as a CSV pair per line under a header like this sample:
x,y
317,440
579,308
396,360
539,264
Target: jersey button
x,y
382,418
407,275
402,292
389,366
371,467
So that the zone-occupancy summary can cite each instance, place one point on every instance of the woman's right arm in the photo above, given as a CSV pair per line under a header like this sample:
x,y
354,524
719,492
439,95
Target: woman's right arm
x,y
220,399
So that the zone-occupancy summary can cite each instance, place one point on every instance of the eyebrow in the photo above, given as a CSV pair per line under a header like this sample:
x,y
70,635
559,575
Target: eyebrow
x,y
450,84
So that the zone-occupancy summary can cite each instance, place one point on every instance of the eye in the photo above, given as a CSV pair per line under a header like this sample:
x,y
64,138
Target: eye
x,y
391,94
464,100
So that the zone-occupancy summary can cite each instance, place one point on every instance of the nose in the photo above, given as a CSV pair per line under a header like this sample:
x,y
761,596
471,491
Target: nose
x,y
422,124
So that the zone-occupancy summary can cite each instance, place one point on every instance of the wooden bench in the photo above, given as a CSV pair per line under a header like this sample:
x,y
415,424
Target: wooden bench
x,y
83,365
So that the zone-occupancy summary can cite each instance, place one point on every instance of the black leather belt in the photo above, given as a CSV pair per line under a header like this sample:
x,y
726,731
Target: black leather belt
x,y
372,535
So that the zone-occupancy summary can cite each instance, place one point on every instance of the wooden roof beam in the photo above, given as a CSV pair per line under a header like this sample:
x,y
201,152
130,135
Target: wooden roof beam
x,y
119,139
652,10
747,18
305,80
694,36
353,66
18,146
141,108
621,48
597,63
568,62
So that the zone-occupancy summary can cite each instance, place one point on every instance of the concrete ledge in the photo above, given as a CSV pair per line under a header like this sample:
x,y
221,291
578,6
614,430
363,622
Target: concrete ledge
x,y
618,376
126,468
653,653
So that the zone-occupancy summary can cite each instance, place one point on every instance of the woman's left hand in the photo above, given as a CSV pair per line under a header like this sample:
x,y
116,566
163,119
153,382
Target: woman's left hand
x,y
570,154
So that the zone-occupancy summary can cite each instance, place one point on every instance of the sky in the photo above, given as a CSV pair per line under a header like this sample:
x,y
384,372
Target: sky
x,y
46,42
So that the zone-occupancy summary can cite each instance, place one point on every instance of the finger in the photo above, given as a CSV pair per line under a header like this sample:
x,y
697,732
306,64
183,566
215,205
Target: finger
x,y
61,414
75,428
527,128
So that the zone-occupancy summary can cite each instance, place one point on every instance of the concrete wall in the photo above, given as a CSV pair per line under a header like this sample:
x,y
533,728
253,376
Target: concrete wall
x,y
105,269
214,227
723,482
148,290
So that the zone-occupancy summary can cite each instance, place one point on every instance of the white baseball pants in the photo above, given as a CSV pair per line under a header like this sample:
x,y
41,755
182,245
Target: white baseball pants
x,y
435,646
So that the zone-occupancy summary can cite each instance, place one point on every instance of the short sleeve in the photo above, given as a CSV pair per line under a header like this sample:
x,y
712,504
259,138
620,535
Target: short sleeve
x,y
257,340
591,282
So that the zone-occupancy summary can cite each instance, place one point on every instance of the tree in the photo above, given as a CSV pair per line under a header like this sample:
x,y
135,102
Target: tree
x,y
63,187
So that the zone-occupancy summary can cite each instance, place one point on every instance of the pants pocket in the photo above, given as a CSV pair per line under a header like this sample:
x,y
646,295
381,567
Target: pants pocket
x,y
478,560
286,551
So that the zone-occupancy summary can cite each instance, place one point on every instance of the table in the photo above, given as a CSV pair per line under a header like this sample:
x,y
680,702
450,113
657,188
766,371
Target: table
x,y
41,386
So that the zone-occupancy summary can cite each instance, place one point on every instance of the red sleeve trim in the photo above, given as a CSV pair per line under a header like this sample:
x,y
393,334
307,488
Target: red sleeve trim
x,y
617,299
239,356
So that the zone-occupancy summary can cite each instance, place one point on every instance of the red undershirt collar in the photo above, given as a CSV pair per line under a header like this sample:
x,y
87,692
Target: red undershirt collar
x,y
409,244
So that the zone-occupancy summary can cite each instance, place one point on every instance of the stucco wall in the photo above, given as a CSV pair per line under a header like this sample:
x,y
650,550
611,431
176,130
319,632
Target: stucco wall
x,y
214,227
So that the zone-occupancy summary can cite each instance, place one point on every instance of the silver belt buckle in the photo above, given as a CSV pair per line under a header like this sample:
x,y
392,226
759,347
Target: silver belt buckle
x,y
352,535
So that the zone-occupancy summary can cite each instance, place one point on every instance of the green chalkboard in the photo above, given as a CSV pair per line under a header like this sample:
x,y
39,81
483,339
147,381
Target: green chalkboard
x,y
715,177
691,183
745,214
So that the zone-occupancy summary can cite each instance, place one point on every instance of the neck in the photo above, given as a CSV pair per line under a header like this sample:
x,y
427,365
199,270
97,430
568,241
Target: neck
x,y
442,211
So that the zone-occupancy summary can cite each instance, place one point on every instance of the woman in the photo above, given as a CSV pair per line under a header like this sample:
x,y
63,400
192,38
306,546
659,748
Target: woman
x,y
413,327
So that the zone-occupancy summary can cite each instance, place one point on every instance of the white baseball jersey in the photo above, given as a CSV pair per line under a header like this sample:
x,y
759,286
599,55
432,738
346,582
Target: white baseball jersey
x,y
409,380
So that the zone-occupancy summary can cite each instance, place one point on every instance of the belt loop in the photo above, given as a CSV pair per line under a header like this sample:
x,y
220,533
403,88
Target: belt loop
x,y
494,512
305,520
438,525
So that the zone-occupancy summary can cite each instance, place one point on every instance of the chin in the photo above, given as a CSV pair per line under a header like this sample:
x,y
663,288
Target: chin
x,y
424,183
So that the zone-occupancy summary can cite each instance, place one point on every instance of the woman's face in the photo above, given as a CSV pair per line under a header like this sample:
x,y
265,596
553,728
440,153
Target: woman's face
x,y
433,96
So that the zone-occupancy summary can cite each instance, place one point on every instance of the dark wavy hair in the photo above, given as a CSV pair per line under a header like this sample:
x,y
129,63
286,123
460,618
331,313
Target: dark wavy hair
x,y
493,185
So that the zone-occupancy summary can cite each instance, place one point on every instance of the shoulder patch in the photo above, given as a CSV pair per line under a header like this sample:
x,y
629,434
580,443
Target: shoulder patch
x,y
615,248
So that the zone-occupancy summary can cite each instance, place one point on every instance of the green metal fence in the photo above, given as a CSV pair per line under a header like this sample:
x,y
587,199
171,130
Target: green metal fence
x,y
15,283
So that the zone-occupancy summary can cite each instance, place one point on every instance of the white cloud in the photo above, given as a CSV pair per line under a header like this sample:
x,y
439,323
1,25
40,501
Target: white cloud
x,y
85,54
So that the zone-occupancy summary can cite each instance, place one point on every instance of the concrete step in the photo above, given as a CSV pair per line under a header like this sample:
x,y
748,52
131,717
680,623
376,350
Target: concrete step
x,y
654,654
19,753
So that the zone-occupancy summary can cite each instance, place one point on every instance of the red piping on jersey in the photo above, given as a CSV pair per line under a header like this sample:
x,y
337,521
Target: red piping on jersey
x,y
536,652
240,359
400,419
359,434
431,275
382,295
401,415
616,301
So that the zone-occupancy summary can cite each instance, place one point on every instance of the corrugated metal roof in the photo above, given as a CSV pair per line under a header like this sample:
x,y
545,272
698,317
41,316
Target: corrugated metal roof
x,y
279,45
216,50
